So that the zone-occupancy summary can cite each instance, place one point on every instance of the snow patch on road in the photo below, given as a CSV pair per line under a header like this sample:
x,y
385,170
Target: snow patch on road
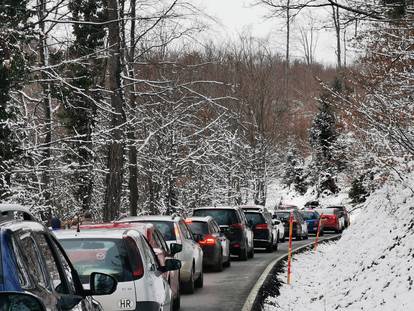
x,y
370,268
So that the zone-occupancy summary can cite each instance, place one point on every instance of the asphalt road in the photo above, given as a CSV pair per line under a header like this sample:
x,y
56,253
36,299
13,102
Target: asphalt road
x,y
228,290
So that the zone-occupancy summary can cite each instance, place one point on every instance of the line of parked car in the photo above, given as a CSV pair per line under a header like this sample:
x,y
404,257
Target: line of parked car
x,y
136,263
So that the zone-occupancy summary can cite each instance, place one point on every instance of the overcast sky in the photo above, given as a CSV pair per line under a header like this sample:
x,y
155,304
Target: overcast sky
x,y
238,16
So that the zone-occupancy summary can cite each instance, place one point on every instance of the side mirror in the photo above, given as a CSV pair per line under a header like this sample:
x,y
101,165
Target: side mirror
x,y
175,248
170,265
20,301
102,284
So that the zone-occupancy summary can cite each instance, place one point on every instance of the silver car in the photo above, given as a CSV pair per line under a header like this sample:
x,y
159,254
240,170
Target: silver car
x,y
175,230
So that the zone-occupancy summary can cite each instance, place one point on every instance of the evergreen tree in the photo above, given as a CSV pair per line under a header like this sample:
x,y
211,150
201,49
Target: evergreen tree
x,y
14,26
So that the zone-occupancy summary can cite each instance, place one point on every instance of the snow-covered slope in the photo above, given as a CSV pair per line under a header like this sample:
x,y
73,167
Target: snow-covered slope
x,y
370,268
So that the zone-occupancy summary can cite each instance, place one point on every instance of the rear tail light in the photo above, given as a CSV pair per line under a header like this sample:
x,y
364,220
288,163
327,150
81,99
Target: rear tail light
x,y
237,226
208,240
134,258
188,221
262,227
236,245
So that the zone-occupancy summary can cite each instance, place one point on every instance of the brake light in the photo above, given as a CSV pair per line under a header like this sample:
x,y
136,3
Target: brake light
x,y
134,258
237,226
262,227
208,241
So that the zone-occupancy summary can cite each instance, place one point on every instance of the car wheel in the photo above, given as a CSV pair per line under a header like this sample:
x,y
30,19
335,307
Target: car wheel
x,y
188,287
321,233
283,238
199,283
177,303
243,254
227,263
219,265
276,246
269,248
251,253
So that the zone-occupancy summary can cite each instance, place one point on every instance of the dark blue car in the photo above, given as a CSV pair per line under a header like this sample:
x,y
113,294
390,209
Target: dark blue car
x,y
32,261
312,221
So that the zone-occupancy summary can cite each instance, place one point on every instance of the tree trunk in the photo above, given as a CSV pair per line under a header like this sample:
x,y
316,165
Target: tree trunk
x,y
132,151
116,145
337,24
47,106
287,65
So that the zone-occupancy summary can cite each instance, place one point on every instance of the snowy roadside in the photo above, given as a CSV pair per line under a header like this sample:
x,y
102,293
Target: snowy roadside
x,y
369,268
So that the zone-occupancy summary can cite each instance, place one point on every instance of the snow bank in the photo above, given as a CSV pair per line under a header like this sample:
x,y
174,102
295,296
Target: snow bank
x,y
370,268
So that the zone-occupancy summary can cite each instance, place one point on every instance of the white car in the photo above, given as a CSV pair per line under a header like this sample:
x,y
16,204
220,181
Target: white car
x,y
126,255
279,229
175,230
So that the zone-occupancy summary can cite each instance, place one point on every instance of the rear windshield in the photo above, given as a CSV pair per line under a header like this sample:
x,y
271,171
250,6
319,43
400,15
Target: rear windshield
x,y
328,211
198,227
255,218
222,216
309,215
283,216
166,228
99,255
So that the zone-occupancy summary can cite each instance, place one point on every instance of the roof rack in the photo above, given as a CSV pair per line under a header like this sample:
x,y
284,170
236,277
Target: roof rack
x,y
9,211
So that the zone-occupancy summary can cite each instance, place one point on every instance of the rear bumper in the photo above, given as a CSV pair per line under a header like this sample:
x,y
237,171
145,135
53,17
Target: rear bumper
x,y
210,255
261,243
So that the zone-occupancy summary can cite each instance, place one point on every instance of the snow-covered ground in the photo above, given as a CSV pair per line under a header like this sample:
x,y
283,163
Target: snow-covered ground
x,y
370,268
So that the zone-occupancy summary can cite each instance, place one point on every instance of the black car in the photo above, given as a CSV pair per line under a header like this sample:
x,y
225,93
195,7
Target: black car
x,y
261,223
233,224
215,245
300,229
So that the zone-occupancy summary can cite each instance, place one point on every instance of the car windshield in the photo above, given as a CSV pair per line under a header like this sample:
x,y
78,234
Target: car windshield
x,y
283,216
98,255
309,215
255,218
166,228
198,227
224,217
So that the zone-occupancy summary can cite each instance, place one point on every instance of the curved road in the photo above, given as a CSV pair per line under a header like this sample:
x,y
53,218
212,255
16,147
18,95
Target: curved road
x,y
228,290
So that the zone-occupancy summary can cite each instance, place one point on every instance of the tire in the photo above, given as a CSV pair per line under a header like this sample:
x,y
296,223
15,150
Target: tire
x,y
269,248
177,303
199,283
219,265
283,239
227,263
188,287
243,254
276,246
251,253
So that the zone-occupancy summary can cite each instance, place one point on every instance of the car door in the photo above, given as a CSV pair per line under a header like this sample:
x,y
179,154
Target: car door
x,y
35,276
248,230
161,288
197,252
224,241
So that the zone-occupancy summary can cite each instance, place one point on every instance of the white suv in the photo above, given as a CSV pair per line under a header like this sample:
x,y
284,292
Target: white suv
x,y
175,230
126,255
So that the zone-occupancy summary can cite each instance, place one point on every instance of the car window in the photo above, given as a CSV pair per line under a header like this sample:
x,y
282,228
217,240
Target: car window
x,y
67,270
166,228
57,282
156,241
31,259
199,227
283,216
149,254
255,218
21,271
99,255
164,245
215,226
185,230
221,216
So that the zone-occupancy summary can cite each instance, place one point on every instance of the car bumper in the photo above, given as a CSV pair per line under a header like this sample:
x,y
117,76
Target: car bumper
x,y
261,243
210,255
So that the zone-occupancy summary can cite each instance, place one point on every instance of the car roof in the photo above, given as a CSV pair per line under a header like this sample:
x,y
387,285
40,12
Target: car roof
x,y
172,218
7,212
95,233
217,207
16,225
285,210
252,206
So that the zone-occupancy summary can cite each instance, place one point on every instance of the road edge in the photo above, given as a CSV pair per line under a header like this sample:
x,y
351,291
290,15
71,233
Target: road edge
x,y
251,298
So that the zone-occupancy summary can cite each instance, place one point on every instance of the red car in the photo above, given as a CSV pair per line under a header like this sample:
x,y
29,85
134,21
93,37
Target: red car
x,y
160,247
330,217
